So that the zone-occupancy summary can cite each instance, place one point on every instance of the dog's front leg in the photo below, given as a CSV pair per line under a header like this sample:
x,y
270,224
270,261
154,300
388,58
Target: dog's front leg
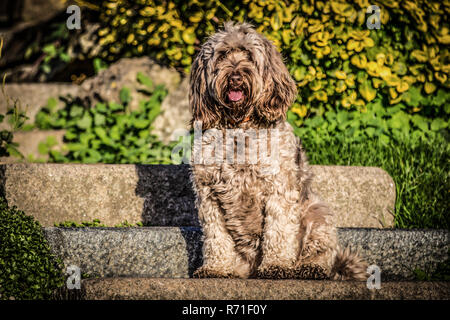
x,y
280,244
220,259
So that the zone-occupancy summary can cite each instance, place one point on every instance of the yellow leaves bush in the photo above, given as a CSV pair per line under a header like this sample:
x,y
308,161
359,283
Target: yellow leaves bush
x,y
335,59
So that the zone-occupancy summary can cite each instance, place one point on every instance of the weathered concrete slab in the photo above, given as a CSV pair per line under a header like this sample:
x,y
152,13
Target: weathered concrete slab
x,y
235,289
359,196
162,195
106,252
55,193
176,252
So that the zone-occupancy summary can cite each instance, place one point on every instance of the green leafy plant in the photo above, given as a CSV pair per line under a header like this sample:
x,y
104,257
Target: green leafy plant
x,y
51,50
16,118
28,269
53,53
95,223
108,132
126,224
99,65
7,146
83,224
375,122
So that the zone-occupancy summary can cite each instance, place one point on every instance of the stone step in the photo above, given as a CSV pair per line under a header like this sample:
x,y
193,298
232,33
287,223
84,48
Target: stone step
x,y
162,195
253,289
170,252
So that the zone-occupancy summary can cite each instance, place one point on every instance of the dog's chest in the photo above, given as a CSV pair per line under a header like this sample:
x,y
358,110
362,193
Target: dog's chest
x,y
247,179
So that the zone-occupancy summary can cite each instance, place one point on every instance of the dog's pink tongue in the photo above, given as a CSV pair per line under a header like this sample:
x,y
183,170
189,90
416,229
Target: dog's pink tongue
x,y
235,95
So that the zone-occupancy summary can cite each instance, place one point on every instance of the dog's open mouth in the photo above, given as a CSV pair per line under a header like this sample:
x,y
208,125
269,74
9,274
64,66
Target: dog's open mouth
x,y
235,95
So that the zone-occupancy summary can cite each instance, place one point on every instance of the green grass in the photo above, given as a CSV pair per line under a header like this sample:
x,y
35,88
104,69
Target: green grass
x,y
95,223
420,171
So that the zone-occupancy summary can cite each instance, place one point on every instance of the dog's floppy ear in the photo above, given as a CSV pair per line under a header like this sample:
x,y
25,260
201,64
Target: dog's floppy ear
x,y
202,106
280,89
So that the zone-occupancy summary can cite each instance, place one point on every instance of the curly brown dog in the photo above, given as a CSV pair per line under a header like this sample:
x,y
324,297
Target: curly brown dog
x,y
256,222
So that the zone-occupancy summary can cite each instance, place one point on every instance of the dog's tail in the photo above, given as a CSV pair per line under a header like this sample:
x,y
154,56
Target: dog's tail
x,y
349,265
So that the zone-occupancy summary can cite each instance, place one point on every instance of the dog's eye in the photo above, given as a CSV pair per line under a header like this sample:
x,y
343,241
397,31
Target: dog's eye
x,y
221,57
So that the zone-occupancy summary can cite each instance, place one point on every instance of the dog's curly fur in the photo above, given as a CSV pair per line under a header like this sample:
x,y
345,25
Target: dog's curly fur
x,y
257,224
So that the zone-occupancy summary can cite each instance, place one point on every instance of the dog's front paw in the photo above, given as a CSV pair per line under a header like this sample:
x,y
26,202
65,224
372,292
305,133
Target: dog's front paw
x,y
209,272
275,272
311,272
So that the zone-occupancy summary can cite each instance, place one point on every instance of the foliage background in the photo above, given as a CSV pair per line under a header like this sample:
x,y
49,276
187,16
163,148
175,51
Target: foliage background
x,y
107,132
338,63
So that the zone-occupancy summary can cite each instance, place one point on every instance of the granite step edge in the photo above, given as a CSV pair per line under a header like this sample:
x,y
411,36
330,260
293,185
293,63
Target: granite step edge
x,y
175,252
252,289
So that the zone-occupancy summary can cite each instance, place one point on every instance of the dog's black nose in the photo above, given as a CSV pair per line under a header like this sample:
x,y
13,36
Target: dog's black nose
x,y
236,79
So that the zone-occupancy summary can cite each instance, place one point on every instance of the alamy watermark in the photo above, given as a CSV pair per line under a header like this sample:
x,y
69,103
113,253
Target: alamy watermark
x,y
373,21
74,20
229,146
74,279
374,280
